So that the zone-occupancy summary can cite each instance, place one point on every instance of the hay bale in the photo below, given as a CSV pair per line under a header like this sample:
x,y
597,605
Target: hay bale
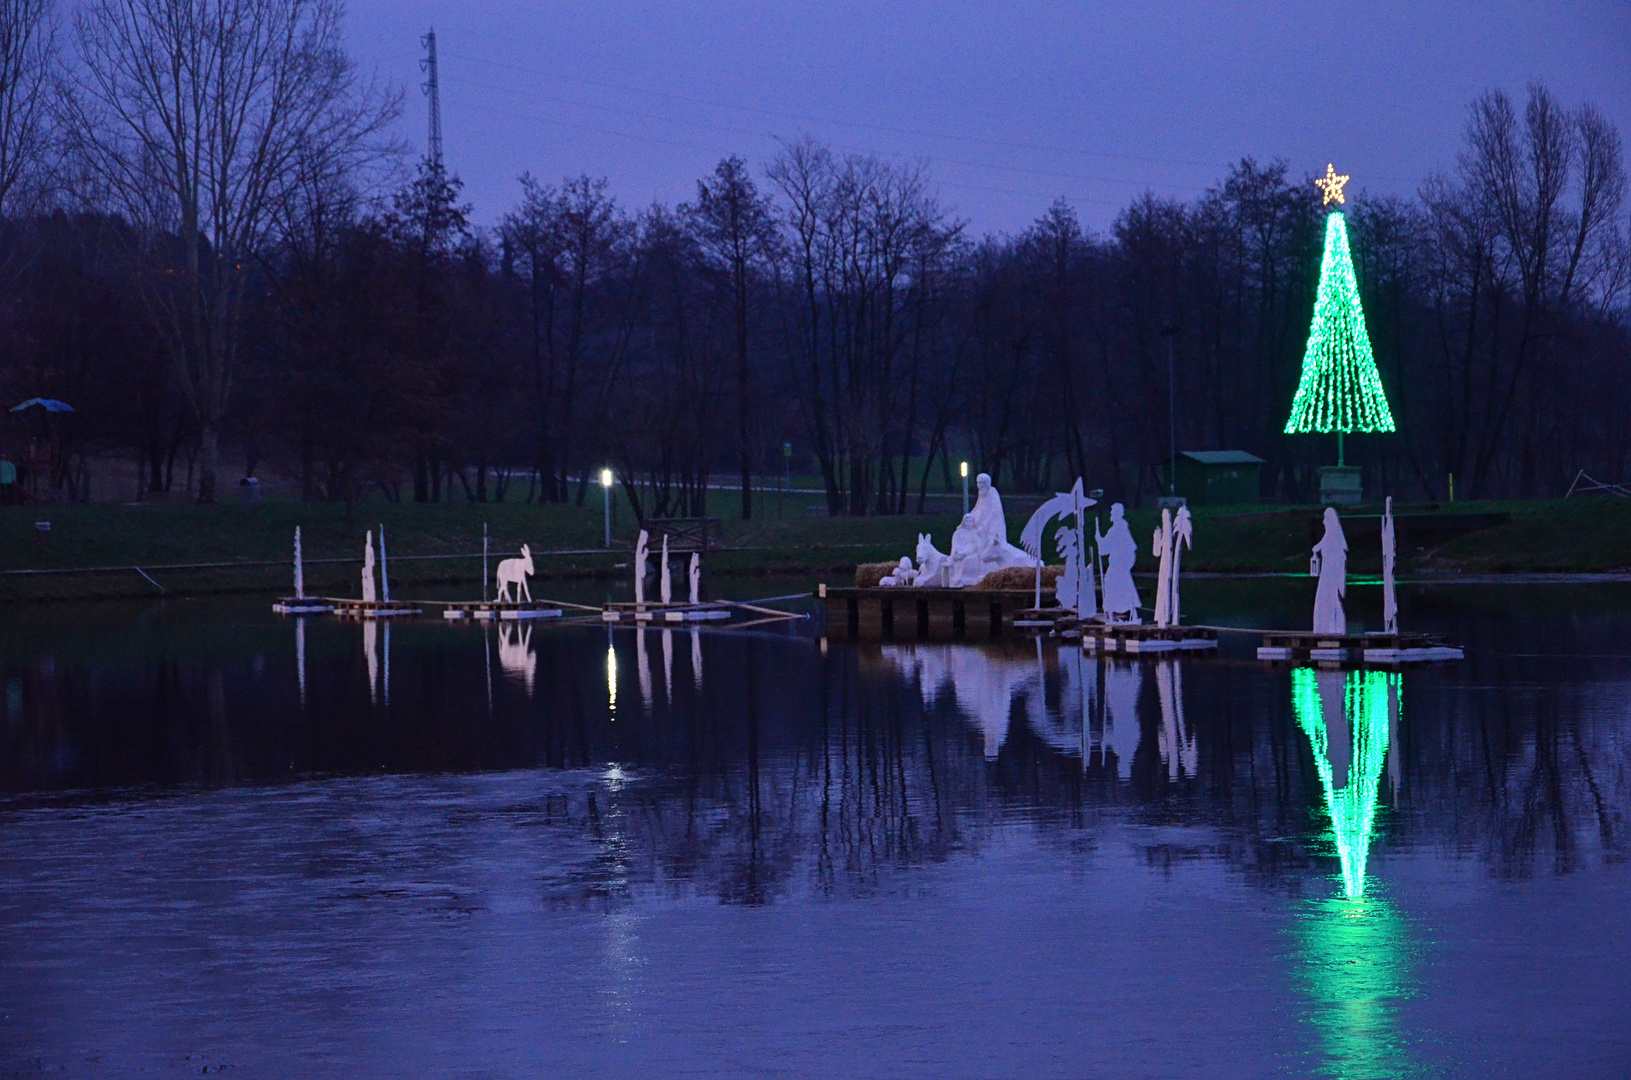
x,y
868,574
1021,577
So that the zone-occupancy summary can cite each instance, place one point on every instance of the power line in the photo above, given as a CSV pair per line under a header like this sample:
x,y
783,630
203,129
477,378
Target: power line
x,y
808,119
1052,173
657,140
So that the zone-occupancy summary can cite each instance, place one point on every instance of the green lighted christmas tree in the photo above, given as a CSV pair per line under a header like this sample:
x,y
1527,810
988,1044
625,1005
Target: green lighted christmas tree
x,y
1340,390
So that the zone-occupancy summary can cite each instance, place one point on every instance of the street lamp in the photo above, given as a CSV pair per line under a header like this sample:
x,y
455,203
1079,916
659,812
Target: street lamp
x,y
606,502
963,468
1169,332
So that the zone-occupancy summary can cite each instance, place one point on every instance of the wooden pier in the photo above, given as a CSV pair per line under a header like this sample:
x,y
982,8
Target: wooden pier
x,y
1145,639
1357,649
908,611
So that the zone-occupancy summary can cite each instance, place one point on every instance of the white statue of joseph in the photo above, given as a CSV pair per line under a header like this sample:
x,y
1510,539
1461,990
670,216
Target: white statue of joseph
x,y
980,544
1119,547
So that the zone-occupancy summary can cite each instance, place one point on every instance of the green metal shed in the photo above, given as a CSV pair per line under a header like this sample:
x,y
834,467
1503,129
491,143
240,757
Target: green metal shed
x,y
1215,477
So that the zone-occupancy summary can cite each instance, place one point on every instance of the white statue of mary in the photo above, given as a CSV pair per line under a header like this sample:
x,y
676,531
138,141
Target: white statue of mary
x,y
980,544
1330,564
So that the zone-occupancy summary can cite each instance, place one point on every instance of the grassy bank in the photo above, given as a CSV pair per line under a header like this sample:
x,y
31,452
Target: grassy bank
x,y
1561,536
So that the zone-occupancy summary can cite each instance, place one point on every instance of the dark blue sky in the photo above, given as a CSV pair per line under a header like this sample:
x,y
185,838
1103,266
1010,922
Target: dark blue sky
x,y
1009,104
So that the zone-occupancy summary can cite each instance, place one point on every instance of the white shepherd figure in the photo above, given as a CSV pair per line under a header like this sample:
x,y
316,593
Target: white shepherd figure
x,y
1121,551
1066,504
667,583
642,551
1161,548
514,572
696,577
368,595
1330,564
1390,556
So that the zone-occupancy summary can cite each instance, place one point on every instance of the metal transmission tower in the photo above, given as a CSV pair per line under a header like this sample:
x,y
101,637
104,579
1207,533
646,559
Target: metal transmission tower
x,y
434,93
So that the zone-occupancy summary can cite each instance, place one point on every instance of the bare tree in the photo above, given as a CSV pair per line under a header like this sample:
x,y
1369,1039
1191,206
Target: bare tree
x,y
737,229
199,114
27,59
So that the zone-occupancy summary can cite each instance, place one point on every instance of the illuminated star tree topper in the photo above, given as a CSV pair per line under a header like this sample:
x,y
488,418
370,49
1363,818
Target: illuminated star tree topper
x,y
1340,390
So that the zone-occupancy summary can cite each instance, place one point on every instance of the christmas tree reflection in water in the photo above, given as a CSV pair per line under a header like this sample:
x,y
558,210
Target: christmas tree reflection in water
x,y
1355,948
1348,720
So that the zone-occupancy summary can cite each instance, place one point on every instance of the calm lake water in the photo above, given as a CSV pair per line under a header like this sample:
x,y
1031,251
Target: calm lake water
x,y
230,842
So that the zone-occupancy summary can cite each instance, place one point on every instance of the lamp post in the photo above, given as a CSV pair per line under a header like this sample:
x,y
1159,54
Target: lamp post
x,y
787,474
1169,332
606,502
963,468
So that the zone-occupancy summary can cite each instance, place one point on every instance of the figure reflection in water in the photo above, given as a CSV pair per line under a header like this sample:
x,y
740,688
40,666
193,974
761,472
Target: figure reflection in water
x,y
515,656
642,663
1097,712
1355,948
668,665
300,654
370,650
696,657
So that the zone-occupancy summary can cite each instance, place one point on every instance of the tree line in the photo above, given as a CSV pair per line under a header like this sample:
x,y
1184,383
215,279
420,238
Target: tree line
x,y
212,245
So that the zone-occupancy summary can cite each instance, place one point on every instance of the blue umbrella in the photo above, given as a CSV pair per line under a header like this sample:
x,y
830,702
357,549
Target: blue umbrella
x,y
48,404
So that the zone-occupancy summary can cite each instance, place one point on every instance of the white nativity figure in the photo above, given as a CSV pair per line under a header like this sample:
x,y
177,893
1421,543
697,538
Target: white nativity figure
x,y
980,544
901,575
1183,535
299,568
1161,548
1330,564
666,584
1390,555
1170,540
933,565
368,595
514,572
642,551
1066,504
1120,551
696,577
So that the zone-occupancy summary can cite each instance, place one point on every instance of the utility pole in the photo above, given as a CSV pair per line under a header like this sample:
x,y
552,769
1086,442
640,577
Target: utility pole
x,y
1169,332
434,93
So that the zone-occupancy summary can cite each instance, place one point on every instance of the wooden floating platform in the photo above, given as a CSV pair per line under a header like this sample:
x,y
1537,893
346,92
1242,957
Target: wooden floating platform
x,y
1378,648
665,613
302,605
379,609
1044,619
909,611
486,610
1144,639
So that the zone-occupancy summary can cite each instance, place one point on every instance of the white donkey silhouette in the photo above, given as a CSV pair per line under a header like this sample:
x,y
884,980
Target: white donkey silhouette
x,y
515,572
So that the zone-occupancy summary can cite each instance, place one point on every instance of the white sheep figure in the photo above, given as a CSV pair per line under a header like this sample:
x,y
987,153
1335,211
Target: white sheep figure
x,y
515,572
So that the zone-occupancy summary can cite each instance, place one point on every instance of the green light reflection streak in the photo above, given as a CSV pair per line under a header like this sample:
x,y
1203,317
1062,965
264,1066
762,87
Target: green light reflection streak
x,y
1355,949
1351,797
